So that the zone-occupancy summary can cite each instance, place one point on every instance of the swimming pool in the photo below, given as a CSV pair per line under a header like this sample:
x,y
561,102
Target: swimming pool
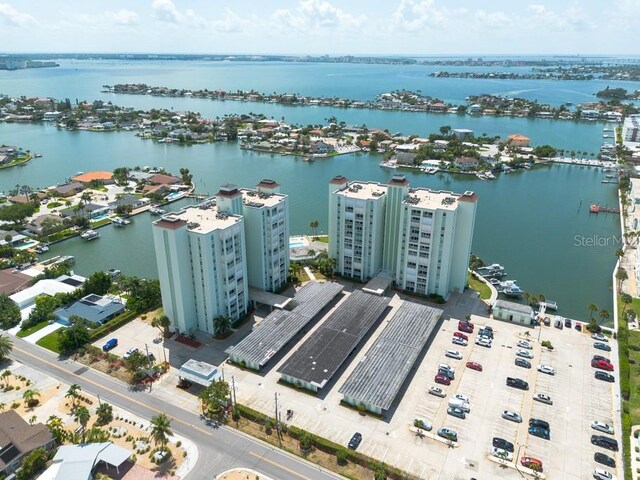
x,y
173,195
296,244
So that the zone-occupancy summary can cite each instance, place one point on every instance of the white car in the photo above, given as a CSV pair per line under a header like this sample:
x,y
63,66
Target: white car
x,y
445,366
483,342
130,352
599,337
524,353
453,354
602,427
502,453
438,392
543,398
524,344
462,397
459,341
600,474
512,416
546,369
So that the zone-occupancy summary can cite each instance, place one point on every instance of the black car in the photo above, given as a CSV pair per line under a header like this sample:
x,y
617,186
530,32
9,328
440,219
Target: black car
x,y
547,321
539,432
558,324
355,440
536,422
503,444
485,332
602,346
607,377
517,383
604,459
521,362
567,322
605,442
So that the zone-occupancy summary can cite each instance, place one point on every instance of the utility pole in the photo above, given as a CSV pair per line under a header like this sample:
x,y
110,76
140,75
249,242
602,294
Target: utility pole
x,y
234,400
278,421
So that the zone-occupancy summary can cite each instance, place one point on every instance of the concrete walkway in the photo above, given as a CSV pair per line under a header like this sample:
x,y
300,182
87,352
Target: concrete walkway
x,y
43,332
309,273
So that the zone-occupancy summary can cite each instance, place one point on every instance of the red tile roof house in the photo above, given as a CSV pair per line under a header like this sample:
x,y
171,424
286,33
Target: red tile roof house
x,y
18,438
160,179
86,178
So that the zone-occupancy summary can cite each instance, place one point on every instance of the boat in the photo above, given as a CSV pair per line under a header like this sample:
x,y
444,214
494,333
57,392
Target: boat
x,y
514,291
114,273
388,165
309,159
607,135
156,211
90,235
494,281
42,248
548,305
37,155
489,176
120,221
493,270
607,129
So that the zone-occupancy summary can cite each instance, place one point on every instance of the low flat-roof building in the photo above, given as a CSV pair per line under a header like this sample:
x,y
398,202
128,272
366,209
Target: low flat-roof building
x,y
379,376
94,308
316,361
199,372
512,312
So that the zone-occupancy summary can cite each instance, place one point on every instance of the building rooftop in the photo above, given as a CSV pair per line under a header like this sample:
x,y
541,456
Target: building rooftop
x,y
363,190
318,359
199,372
203,218
92,307
91,176
280,326
256,199
77,462
18,437
48,287
432,199
513,306
378,377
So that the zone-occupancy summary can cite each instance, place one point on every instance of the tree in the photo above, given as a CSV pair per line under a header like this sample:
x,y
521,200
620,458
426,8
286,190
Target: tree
x,y
9,313
314,226
626,300
621,276
161,429
73,337
445,130
98,283
222,325
30,397
619,253
214,397
163,323
604,315
592,307
5,376
97,435
81,415
6,345
73,393
32,463
104,413
56,427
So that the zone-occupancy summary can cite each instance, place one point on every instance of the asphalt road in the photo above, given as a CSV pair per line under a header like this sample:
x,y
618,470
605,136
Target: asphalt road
x,y
219,449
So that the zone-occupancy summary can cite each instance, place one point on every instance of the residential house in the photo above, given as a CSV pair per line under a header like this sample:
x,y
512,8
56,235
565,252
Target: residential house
x,y
466,163
321,148
462,133
16,240
131,200
67,189
18,439
405,158
24,199
93,308
36,225
474,109
79,462
590,115
103,177
161,179
517,140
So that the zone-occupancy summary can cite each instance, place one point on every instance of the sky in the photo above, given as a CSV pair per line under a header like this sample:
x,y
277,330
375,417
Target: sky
x,y
332,27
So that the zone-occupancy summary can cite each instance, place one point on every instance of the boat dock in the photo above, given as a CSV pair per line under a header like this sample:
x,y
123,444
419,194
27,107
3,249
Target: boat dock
x,y
597,208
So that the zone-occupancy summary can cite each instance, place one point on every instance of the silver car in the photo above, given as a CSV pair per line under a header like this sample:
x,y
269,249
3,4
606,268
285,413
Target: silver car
x,y
524,353
511,416
543,398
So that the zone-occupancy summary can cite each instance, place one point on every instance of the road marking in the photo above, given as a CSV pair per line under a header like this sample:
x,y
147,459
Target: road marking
x,y
127,399
282,467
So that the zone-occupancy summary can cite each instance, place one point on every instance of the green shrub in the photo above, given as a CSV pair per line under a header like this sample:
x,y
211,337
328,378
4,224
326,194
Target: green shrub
x,y
341,457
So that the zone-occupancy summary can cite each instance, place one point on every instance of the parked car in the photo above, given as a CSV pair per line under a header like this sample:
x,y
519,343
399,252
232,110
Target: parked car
x,y
567,322
485,332
130,352
602,346
578,326
547,322
602,364
549,370
558,324
461,397
536,422
184,384
524,353
423,424
447,433
456,412
483,342
453,354
531,462
474,366
466,324
524,344
517,383
599,337
460,335
604,459
110,345
543,398
502,453
459,341
605,442
539,432
461,404
521,362
511,416
600,474
465,327
438,392
442,379
602,427
607,377
355,441
450,374
502,443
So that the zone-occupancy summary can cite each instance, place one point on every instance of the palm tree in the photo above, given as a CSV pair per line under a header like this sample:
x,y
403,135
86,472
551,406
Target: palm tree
x,y
619,253
314,225
604,315
6,345
161,429
73,393
33,419
161,323
82,416
222,325
30,397
592,307
5,375
2,407
626,300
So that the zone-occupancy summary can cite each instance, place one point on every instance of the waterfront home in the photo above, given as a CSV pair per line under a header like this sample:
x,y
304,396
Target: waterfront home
x,y
16,239
590,115
90,211
24,199
405,158
155,189
67,189
36,224
512,312
161,179
437,107
321,148
129,200
103,177
613,116
18,439
25,299
462,133
138,176
93,308
466,163
8,153
474,109
517,140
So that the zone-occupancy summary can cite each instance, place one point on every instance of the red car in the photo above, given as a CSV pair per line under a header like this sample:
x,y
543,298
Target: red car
x,y
442,379
465,327
474,366
602,365
532,463
460,335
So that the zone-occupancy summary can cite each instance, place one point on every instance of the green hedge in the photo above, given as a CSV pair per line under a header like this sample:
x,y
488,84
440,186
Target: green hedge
x,y
625,391
112,325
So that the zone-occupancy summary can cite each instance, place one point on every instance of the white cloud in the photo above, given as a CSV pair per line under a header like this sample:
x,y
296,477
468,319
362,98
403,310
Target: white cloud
x,y
124,17
542,18
493,19
12,17
413,15
166,11
310,16
231,23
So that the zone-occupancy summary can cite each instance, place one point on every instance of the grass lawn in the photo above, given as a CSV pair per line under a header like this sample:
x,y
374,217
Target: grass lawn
x,y
302,276
30,330
100,223
317,274
321,238
50,342
479,286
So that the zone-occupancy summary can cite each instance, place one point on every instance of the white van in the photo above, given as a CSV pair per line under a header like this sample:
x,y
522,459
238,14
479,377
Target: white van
x,y
462,405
